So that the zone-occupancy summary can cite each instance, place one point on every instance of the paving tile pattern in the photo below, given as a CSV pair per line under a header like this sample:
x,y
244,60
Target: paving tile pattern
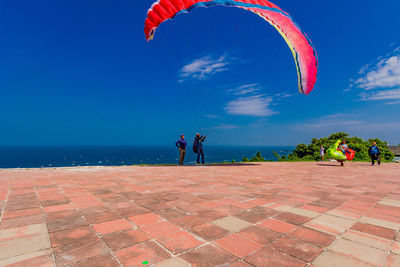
x,y
273,214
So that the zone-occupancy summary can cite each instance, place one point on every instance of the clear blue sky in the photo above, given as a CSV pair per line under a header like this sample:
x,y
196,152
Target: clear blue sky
x,y
81,73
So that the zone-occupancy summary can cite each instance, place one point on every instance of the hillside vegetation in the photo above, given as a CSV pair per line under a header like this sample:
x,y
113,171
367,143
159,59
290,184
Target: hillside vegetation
x,y
311,151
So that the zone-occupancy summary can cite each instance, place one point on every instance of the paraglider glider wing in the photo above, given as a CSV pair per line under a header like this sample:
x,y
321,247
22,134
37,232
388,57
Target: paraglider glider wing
x,y
334,153
303,52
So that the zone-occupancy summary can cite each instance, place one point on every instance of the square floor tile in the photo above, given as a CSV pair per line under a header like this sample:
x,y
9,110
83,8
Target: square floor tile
x,y
260,234
179,241
72,235
278,226
135,256
147,218
112,226
172,262
313,236
207,256
231,223
374,230
77,251
158,229
237,245
360,251
209,231
119,240
292,218
270,257
106,260
297,248
188,221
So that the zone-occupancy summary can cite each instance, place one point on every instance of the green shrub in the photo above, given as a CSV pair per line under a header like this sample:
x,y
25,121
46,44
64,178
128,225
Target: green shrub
x,y
257,158
310,152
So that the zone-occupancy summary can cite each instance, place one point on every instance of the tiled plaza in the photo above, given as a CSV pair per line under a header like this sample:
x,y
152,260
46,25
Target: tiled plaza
x,y
272,214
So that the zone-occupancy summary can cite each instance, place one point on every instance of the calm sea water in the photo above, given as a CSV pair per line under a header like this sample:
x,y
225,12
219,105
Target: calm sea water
x,y
35,157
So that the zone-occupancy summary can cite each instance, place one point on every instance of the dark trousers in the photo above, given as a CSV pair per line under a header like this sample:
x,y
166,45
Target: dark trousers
x,y
377,158
200,152
182,153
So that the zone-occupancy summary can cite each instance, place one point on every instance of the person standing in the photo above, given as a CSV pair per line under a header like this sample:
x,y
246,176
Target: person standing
x,y
322,152
198,142
181,145
375,153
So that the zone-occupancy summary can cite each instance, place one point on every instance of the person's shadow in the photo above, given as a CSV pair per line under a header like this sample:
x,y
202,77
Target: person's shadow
x,y
329,165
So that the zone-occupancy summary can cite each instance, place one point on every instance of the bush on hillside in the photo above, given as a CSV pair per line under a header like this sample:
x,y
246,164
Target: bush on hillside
x,y
257,158
311,152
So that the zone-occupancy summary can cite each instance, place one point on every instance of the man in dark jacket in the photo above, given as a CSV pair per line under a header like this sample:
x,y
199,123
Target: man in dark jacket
x,y
181,145
198,143
375,153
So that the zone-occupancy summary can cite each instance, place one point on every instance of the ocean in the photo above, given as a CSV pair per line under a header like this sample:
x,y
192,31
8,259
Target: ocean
x,y
38,157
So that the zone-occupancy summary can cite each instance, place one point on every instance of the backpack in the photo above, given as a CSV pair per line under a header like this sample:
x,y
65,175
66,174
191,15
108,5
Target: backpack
x,y
194,146
374,150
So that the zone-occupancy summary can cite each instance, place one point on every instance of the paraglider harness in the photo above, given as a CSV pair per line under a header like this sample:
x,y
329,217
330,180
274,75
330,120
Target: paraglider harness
x,y
345,151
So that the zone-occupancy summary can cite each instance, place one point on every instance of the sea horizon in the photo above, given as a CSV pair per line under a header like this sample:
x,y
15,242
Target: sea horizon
x,y
119,155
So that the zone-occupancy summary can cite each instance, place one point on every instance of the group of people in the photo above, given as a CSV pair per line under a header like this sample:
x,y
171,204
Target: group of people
x,y
197,148
374,152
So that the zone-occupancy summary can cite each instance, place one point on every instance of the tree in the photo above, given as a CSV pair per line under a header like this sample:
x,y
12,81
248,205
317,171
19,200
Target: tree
x,y
258,157
311,152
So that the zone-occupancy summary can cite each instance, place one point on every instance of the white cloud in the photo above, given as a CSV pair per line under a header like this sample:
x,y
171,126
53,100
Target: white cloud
x,y
284,95
335,124
257,106
337,115
225,127
245,89
381,95
393,103
385,74
332,123
204,67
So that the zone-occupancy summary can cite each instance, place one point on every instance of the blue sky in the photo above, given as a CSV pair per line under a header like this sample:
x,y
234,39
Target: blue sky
x,y
82,73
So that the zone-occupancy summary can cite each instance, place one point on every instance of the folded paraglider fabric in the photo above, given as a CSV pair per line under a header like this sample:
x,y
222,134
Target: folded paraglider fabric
x,y
333,153
350,154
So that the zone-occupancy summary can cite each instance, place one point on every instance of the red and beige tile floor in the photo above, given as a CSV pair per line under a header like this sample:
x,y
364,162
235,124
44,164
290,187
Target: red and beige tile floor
x,y
273,214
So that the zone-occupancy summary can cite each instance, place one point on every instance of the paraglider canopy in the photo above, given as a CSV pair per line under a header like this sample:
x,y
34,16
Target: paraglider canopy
x,y
303,51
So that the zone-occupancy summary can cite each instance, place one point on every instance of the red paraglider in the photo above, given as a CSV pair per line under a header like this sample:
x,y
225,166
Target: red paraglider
x,y
303,52
350,154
